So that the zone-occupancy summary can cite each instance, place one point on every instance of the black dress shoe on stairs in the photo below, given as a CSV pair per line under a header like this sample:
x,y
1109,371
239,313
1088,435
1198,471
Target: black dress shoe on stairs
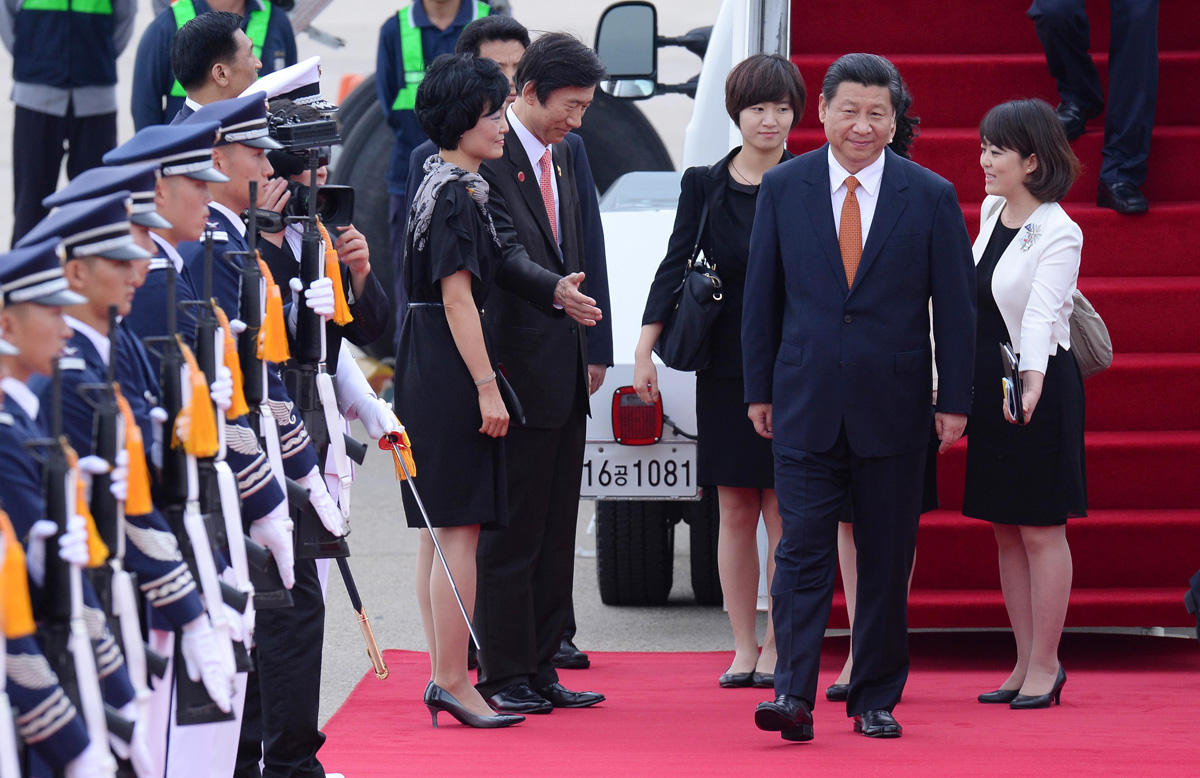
x,y
837,692
1074,117
1122,197
519,698
877,724
562,697
788,715
569,657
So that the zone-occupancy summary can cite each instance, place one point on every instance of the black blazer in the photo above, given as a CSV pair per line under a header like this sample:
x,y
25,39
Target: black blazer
x,y
545,357
703,184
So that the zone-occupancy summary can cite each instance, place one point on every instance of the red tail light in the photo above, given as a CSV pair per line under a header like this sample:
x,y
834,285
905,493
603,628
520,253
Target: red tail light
x,y
634,422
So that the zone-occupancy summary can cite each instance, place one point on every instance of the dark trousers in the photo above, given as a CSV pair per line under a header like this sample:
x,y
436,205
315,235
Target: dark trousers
x,y
1062,26
39,142
288,662
886,494
526,572
397,225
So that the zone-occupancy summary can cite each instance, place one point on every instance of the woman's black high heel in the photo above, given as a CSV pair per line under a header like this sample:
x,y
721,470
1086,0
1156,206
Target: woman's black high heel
x,y
438,699
1028,701
1003,696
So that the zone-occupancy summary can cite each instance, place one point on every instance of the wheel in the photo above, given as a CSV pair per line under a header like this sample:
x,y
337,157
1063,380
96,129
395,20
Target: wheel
x,y
704,521
619,140
361,99
635,552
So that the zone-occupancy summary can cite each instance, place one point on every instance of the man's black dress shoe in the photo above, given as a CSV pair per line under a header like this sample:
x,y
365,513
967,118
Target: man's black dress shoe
x,y
562,697
1074,116
519,698
788,715
569,657
764,680
736,680
877,723
1122,197
837,692
1001,696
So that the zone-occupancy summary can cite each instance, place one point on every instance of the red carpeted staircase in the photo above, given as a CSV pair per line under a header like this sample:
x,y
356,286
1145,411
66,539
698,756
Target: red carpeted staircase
x,y
1140,542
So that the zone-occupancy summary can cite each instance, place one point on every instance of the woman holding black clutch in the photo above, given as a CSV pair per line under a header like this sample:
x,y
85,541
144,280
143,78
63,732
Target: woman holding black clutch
x,y
1025,469
764,96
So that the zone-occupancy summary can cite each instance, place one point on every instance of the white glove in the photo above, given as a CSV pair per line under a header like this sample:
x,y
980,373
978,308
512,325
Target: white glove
x,y
318,297
89,467
73,545
137,750
318,495
221,390
91,763
118,479
237,623
158,417
275,532
376,415
35,551
203,662
237,327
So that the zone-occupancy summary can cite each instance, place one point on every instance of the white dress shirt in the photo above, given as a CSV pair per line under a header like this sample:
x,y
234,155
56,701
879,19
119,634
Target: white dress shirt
x,y
98,340
869,179
21,394
535,149
169,250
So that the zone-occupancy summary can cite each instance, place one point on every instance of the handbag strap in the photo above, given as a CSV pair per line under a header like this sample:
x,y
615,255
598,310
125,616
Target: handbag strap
x,y
699,234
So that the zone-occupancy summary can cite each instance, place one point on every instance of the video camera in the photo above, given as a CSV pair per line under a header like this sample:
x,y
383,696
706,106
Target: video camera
x,y
301,141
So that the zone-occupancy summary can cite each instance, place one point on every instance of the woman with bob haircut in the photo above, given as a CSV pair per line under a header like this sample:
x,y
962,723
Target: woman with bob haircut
x,y
446,381
1027,477
765,96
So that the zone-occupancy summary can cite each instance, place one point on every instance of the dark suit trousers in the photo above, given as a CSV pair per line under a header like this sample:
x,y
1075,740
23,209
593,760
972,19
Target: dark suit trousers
x,y
288,661
525,572
38,140
886,493
1063,28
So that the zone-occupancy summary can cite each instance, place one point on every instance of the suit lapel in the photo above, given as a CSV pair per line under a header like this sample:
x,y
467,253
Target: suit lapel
x,y
527,184
819,207
887,212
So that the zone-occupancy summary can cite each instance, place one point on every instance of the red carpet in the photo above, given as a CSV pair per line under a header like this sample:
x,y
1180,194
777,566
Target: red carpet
x,y
1128,709
1135,551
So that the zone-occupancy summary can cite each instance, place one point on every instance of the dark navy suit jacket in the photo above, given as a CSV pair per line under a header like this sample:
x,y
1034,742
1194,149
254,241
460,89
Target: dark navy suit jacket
x,y
826,355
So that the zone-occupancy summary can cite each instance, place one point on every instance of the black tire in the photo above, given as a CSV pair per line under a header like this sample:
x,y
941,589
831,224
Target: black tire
x,y
619,140
635,552
704,521
361,99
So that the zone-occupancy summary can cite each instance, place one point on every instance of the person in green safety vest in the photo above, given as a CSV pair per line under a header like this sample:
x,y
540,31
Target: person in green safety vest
x,y
213,59
158,96
408,41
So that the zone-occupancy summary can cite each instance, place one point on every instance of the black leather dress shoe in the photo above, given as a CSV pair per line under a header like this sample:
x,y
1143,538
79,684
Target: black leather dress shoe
x,y
788,715
736,680
1000,696
562,697
837,692
877,723
764,680
1074,117
569,657
519,698
1122,197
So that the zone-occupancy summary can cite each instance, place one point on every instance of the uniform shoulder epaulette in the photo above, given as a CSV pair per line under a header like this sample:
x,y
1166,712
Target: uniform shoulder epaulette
x,y
159,263
220,236
72,363
6,419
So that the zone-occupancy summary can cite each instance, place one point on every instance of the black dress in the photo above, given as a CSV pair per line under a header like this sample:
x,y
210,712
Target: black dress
x,y
460,471
1029,475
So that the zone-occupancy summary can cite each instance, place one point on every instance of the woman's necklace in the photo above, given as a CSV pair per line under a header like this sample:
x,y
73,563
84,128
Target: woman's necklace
x,y
745,178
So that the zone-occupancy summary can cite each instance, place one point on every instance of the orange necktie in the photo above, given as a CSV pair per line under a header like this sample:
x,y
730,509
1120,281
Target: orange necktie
x,y
850,234
547,187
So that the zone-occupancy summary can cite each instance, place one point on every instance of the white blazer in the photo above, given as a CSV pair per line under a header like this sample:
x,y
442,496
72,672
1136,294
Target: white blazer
x,y
1034,279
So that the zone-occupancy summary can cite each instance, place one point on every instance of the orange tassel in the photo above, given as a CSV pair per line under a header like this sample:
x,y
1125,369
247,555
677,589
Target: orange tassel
x,y
196,423
97,549
333,269
272,335
16,613
137,501
404,450
238,407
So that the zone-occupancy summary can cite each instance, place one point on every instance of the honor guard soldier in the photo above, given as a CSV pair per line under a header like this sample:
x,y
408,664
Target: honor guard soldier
x,y
158,96
65,73
138,180
35,293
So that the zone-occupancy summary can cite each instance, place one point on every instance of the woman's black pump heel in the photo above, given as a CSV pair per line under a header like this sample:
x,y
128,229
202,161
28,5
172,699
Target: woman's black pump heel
x,y
1027,701
438,699
1003,696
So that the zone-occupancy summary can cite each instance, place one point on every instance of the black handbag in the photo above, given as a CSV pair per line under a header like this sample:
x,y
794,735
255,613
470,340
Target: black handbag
x,y
684,341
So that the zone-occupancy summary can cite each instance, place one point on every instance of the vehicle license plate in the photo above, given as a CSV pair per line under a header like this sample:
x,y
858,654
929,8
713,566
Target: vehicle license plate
x,y
663,470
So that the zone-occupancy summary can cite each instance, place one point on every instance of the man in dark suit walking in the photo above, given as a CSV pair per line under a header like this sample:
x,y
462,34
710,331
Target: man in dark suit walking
x,y
525,573
850,244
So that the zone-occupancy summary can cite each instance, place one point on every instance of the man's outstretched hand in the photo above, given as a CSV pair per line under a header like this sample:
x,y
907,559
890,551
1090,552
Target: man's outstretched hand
x,y
578,305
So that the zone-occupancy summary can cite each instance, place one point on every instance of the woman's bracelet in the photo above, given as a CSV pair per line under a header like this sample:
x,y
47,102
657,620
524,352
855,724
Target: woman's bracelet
x,y
483,381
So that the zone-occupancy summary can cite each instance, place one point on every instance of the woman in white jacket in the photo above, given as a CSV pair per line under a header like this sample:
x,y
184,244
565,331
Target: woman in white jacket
x,y
1027,478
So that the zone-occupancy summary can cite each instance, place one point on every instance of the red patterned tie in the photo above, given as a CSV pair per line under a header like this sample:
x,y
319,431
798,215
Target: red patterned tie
x,y
547,187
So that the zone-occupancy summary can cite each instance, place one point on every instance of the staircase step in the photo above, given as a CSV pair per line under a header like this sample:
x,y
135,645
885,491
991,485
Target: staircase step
x,y
1116,399
1162,242
942,102
957,27
954,154
1125,470
1148,314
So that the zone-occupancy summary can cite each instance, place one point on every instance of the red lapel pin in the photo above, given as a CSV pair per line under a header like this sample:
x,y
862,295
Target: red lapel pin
x,y
520,176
